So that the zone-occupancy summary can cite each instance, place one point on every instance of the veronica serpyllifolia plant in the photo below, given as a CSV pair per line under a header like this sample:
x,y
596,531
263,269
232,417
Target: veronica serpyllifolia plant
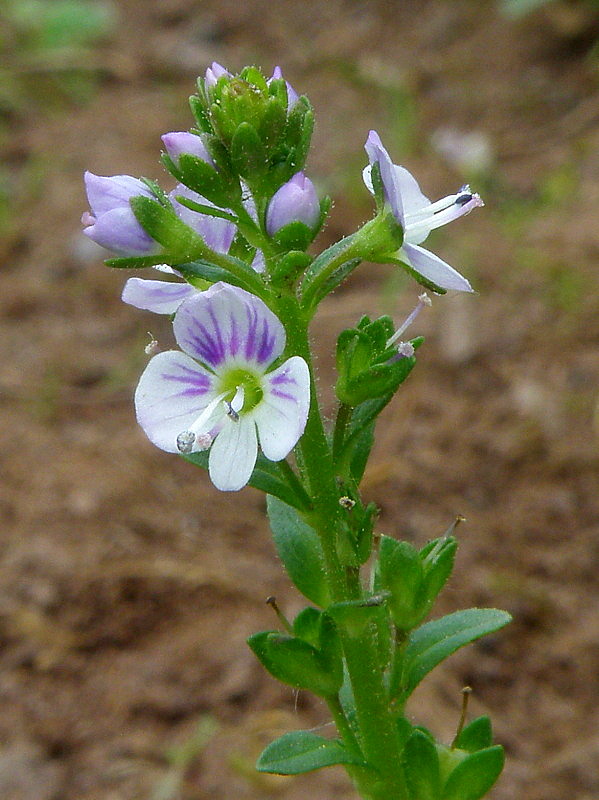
x,y
238,398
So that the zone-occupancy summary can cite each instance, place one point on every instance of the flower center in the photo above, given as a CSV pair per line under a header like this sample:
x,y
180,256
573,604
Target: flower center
x,y
241,379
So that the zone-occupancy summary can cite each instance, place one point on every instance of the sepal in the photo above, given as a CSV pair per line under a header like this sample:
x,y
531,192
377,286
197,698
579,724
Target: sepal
x,y
163,225
295,662
421,767
367,368
413,578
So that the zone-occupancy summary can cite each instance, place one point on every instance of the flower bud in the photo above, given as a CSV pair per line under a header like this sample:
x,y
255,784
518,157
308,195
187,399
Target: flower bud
x,y
292,95
111,221
295,201
179,143
213,73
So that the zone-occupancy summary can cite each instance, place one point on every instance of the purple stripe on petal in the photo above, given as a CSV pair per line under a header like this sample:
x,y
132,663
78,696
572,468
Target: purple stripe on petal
x,y
227,324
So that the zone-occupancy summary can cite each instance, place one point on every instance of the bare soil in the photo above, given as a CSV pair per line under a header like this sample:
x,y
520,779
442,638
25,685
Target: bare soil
x,y
129,585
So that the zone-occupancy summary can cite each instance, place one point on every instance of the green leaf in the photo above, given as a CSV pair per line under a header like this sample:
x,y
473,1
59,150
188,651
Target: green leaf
x,y
300,551
266,476
421,767
475,736
303,751
475,775
434,641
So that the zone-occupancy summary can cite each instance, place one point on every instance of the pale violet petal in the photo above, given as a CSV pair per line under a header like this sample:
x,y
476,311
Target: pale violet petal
x,y
282,413
434,268
227,327
172,392
233,455
411,196
378,155
161,297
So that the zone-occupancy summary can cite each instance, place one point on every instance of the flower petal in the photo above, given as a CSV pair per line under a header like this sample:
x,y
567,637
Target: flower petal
x,y
107,192
161,297
227,326
119,230
171,394
282,413
412,198
434,268
233,455
378,155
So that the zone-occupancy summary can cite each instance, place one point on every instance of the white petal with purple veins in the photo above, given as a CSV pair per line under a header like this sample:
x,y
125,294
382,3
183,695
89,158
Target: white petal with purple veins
x,y
281,416
172,392
233,455
227,327
161,297
434,268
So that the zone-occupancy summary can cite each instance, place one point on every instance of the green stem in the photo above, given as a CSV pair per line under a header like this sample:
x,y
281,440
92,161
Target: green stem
x,y
377,731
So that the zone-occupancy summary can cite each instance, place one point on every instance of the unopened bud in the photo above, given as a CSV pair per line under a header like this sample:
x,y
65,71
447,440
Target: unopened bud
x,y
295,201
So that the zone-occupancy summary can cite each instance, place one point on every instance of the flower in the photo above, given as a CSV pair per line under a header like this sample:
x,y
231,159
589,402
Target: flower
x,y
418,216
218,392
111,221
165,297
294,201
179,143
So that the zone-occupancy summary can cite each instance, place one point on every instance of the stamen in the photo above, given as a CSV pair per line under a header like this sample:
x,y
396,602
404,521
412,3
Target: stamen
x,y
236,404
423,300
152,345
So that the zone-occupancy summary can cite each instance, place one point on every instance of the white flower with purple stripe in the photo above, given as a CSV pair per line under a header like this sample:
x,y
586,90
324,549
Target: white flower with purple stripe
x,y
418,216
218,392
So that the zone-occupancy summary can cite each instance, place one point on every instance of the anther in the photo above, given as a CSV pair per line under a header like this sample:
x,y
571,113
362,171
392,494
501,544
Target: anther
x,y
405,349
185,441
231,413
203,441
152,345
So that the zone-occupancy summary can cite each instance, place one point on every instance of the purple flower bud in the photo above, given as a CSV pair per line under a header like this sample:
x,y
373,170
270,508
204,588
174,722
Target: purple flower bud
x,y
295,201
111,221
292,95
178,143
213,73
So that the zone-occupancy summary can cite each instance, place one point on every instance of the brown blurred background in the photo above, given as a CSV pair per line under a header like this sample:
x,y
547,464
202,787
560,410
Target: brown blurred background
x,y
128,584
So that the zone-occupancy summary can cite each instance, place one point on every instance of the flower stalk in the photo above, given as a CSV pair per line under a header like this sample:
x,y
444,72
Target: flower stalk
x,y
239,396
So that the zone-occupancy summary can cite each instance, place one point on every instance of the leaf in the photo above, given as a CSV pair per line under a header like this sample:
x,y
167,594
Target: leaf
x,y
434,641
475,775
300,551
303,751
266,476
